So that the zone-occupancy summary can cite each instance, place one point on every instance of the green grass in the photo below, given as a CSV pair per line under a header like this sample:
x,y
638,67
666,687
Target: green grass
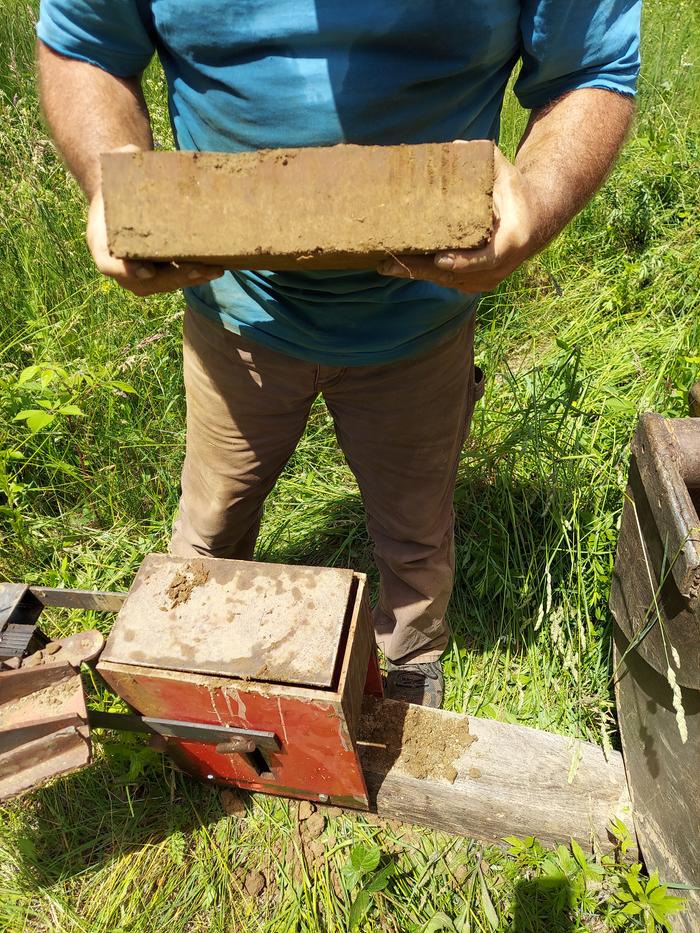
x,y
601,327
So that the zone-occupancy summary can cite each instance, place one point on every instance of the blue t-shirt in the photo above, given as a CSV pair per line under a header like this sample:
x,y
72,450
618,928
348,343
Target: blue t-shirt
x,y
253,74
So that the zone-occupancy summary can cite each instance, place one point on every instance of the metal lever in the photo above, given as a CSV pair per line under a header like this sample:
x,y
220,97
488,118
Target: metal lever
x,y
187,731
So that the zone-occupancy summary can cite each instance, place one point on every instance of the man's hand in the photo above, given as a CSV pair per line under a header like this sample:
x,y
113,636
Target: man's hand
x,y
565,154
141,278
88,112
516,237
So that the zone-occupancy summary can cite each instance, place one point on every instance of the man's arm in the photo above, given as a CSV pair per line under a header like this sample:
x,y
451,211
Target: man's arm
x,y
90,111
564,156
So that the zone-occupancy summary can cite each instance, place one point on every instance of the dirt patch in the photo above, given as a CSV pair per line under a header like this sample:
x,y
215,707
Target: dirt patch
x,y
184,581
418,741
255,883
312,847
233,804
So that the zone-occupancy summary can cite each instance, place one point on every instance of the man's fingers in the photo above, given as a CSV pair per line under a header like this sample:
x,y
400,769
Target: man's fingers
x,y
431,267
423,268
147,278
471,281
464,260
109,265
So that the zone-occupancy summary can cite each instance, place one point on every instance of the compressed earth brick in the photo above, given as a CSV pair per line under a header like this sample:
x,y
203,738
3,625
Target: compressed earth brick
x,y
318,208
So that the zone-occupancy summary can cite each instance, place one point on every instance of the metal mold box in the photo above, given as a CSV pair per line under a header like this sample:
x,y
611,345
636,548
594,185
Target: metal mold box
x,y
263,622
286,650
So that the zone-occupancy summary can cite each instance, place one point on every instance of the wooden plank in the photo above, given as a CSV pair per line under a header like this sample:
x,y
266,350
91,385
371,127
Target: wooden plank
x,y
644,595
661,466
655,602
664,773
686,432
331,207
694,400
490,779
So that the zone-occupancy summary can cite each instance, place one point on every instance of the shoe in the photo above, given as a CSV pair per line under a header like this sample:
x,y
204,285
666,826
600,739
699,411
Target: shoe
x,y
423,684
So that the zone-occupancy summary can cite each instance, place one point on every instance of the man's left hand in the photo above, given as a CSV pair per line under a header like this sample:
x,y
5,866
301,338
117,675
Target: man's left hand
x,y
518,234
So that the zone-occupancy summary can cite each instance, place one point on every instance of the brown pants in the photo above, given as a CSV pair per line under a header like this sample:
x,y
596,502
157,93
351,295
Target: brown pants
x,y
401,427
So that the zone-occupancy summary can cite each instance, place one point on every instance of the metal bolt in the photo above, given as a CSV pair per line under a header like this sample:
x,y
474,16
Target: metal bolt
x,y
323,798
236,746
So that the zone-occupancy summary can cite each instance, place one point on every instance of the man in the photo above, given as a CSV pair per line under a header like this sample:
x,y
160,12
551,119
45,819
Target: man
x,y
389,349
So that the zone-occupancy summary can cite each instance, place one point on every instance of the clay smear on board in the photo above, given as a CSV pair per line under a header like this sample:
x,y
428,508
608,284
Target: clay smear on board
x,y
412,739
184,581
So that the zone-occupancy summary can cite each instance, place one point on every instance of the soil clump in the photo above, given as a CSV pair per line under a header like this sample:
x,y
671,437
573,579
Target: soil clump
x,y
315,825
182,584
255,883
306,809
232,803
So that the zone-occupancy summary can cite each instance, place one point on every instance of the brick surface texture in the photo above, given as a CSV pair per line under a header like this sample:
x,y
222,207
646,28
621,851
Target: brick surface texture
x,y
335,207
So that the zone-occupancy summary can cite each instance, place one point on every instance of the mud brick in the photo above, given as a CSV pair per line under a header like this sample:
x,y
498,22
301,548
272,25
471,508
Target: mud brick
x,y
315,208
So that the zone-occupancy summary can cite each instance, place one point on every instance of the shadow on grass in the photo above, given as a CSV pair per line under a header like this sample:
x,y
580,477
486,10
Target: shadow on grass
x,y
542,905
89,818
508,536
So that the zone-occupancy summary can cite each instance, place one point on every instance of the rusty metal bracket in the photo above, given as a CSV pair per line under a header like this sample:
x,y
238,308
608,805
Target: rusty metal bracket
x,y
21,606
97,600
11,739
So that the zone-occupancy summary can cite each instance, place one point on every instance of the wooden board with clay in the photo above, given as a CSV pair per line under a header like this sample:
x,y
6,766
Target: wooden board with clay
x,y
488,779
332,207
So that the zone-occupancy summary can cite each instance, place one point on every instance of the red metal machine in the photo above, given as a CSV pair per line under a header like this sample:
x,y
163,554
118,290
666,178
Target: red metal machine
x,y
252,675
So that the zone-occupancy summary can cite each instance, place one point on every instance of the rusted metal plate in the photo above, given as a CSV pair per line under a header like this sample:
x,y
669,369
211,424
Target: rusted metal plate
x,y
43,728
251,621
97,600
317,756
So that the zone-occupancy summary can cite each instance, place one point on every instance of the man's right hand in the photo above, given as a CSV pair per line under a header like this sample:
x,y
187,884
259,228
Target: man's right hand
x,y
141,278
